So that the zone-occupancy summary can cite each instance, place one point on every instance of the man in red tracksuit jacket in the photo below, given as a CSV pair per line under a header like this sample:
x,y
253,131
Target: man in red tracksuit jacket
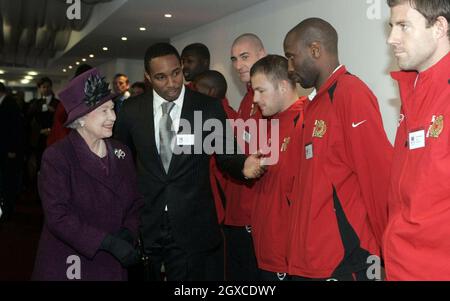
x,y
196,60
416,243
276,96
240,256
339,199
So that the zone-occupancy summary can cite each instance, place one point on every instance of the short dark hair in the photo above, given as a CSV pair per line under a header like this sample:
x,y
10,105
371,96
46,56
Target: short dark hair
x,y
2,88
197,49
81,69
430,9
44,80
120,75
275,67
158,50
138,85
214,79
317,30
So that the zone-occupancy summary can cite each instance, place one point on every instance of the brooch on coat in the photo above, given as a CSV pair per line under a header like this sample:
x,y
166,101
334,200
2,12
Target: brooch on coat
x,y
119,153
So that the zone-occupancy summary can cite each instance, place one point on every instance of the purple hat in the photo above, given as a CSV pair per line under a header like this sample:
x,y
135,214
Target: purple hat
x,y
85,93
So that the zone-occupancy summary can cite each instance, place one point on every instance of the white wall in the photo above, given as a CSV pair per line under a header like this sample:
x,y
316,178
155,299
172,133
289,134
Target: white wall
x,y
361,24
134,69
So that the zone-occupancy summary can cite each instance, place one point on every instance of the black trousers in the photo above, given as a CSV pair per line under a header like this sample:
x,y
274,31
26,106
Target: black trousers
x,y
179,265
240,259
10,183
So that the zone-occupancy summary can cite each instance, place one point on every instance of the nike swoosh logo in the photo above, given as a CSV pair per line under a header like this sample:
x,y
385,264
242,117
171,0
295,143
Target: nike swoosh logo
x,y
355,125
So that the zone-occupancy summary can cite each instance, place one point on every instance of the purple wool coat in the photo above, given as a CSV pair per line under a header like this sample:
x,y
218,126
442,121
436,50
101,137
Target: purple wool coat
x,y
83,203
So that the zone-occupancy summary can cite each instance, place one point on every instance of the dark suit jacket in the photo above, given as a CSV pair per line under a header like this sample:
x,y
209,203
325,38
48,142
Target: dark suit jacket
x,y
186,188
11,128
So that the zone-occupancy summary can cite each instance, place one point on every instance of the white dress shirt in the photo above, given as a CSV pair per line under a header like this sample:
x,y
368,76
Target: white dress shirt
x,y
175,113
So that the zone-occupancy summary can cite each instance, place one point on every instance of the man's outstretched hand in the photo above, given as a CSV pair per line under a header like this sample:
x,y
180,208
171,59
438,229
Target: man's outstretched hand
x,y
253,167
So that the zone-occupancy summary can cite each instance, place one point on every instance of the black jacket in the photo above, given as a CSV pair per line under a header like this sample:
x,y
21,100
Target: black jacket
x,y
186,188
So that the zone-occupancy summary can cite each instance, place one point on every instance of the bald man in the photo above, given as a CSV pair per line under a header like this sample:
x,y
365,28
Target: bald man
x,y
246,50
339,199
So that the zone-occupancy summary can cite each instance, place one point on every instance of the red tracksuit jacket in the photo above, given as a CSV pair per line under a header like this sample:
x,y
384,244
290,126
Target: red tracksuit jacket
x,y
239,204
417,240
339,199
270,205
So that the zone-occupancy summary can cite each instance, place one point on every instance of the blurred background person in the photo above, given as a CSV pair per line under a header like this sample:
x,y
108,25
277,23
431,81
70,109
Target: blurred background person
x,y
137,88
11,151
121,86
195,59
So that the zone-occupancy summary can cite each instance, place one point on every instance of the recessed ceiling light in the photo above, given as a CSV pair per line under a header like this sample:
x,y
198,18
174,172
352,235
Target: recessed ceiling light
x,y
2,72
91,55
168,15
105,48
28,77
70,67
83,59
124,38
2,81
142,28
25,81
77,63
64,70
32,73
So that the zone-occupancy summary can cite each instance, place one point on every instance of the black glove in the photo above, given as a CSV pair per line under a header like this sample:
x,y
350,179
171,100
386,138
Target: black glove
x,y
123,251
125,234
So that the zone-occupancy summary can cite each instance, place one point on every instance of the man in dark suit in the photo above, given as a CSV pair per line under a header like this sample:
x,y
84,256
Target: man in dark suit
x,y
179,222
11,151
40,114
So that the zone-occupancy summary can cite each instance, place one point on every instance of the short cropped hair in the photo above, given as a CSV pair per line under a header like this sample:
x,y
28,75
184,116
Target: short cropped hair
x,y
430,9
158,50
275,67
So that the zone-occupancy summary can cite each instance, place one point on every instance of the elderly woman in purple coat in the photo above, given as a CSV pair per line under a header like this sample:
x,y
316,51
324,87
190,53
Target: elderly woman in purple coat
x,y
89,192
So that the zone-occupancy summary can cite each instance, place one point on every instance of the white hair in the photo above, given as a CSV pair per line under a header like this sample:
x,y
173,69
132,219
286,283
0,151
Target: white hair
x,y
76,124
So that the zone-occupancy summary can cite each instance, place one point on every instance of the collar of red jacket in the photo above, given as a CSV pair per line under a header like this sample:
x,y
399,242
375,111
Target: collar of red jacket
x,y
297,106
331,80
437,73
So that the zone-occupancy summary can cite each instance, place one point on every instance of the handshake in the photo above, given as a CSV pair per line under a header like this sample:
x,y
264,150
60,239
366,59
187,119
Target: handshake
x,y
254,166
121,246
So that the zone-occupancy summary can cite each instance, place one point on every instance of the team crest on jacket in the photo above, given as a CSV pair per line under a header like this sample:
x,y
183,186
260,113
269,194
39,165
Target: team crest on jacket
x,y
320,129
285,144
436,127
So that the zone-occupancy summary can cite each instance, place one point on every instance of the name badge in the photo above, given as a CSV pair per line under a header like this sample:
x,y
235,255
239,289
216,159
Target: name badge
x,y
185,139
309,151
417,139
247,137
